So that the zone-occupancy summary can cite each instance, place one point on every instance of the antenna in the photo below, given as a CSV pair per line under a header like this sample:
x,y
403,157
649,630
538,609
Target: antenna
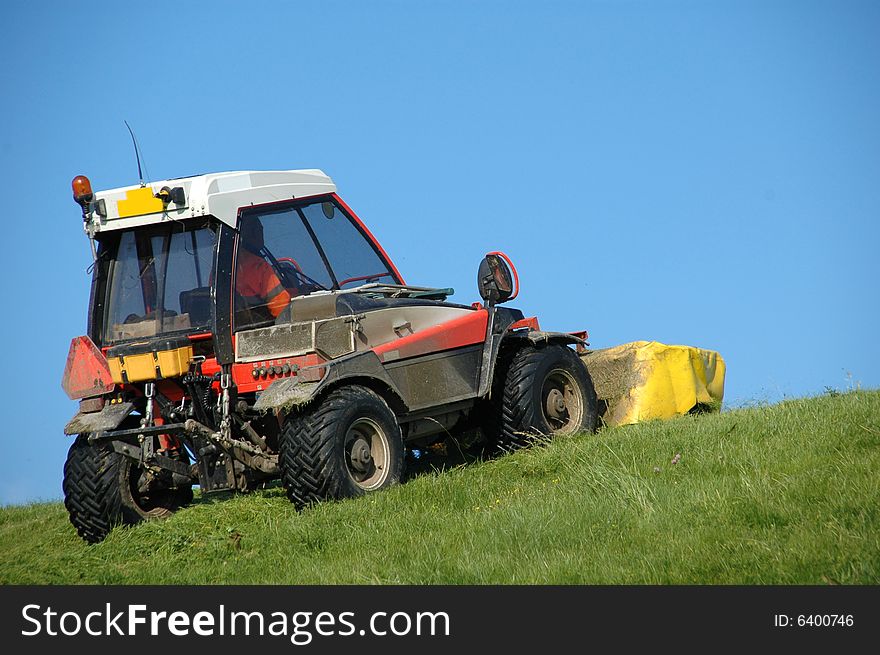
x,y
137,153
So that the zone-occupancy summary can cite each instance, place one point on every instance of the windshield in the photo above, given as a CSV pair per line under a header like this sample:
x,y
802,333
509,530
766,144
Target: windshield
x,y
159,281
296,249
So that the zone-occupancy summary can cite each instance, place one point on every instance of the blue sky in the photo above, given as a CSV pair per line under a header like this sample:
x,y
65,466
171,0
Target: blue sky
x,y
705,173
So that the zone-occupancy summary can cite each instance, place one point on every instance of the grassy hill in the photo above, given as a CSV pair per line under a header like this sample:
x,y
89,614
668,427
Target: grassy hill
x,y
787,494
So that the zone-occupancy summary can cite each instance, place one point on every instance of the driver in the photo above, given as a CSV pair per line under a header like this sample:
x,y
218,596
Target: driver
x,y
255,279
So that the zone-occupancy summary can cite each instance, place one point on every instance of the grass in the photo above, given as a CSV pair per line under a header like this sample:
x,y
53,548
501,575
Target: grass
x,y
787,494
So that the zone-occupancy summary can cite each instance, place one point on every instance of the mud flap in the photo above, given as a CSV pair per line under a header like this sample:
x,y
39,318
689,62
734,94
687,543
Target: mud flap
x,y
109,418
646,380
286,394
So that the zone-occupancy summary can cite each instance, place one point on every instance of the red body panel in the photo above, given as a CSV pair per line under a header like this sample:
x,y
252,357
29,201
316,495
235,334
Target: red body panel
x,y
86,372
464,331
243,374
531,322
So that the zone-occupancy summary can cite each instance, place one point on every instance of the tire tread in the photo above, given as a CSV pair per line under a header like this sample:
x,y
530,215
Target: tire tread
x,y
310,471
518,416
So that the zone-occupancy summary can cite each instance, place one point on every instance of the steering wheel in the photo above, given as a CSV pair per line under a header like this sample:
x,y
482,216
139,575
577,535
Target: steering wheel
x,y
291,274
290,260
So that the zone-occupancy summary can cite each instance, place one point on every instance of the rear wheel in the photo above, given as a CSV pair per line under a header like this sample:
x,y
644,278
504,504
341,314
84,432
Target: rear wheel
x,y
544,391
346,446
103,489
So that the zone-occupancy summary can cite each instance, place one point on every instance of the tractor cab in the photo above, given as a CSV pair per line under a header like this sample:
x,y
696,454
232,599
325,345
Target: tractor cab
x,y
204,256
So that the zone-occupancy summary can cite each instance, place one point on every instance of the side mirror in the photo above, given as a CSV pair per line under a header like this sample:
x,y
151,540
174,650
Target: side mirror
x,y
497,280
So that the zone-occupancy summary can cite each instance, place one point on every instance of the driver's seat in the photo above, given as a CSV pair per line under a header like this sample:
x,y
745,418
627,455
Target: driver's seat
x,y
197,303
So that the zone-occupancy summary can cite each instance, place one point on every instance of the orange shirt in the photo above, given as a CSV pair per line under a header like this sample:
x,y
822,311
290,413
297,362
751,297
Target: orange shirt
x,y
255,277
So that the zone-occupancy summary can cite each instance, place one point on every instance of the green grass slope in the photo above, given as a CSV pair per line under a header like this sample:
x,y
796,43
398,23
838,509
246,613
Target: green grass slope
x,y
787,494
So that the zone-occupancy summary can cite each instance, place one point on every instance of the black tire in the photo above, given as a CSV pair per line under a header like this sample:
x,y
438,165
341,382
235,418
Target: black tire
x,y
347,445
541,392
100,492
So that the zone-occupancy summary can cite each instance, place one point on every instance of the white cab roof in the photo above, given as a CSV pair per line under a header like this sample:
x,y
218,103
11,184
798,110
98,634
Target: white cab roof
x,y
215,194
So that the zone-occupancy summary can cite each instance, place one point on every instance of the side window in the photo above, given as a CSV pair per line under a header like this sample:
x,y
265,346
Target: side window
x,y
351,256
187,278
131,310
294,250
290,243
276,259
159,282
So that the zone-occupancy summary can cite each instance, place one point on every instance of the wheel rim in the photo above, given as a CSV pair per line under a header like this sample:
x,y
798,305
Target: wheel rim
x,y
148,502
367,454
562,402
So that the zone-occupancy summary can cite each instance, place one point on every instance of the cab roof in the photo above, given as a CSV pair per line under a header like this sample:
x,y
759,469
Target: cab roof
x,y
216,194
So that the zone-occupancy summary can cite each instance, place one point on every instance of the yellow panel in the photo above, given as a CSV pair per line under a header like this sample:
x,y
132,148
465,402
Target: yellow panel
x,y
133,368
647,380
115,369
150,365
139,202
174,362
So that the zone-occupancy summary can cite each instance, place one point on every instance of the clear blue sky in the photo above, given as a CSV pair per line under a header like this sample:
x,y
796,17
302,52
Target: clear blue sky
x,y
705,173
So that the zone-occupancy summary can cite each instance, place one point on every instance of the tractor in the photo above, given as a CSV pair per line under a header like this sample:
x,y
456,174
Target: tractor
x,y
246,327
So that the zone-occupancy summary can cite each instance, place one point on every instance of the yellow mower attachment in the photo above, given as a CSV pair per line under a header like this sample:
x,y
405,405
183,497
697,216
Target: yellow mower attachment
x,y
646,380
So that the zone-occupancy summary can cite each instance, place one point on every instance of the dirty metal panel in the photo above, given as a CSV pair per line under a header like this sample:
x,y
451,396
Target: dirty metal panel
x,y
313,307
108,418
215,473
386,325
274,341
437,379
334,338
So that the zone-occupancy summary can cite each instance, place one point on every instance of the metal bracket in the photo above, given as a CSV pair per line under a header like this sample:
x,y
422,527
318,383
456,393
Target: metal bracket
x,y
400,327
355,321
160,461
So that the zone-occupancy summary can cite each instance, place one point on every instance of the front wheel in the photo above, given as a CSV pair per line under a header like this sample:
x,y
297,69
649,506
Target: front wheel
x,y
346,446
544,391
103,489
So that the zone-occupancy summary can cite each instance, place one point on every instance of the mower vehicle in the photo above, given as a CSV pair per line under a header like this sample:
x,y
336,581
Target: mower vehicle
x,y
246,327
